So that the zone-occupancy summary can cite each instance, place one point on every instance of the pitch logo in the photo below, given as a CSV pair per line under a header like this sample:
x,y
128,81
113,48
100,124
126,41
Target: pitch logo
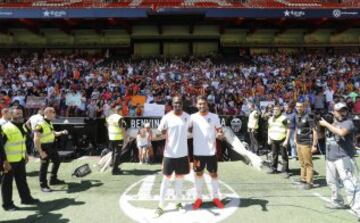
x,y
139,202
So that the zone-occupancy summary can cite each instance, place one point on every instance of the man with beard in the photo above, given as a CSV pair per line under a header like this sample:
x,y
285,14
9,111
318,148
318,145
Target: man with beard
x,y
340,163
306,142
174,125
206,128
13,147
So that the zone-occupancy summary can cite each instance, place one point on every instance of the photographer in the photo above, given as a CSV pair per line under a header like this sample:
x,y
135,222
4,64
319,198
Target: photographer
x,y
306,142
340,163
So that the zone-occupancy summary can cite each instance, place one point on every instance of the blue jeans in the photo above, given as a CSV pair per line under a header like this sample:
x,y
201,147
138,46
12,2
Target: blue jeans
x,y
292,146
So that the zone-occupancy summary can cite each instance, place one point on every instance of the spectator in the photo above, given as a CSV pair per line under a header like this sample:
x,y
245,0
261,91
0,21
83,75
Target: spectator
x,y
142,142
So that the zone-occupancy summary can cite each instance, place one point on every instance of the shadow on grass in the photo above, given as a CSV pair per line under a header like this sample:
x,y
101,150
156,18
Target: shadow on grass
x,y
57,204
296,172
84,185
139,172
49,217
44,209
33,173
321,181
245,202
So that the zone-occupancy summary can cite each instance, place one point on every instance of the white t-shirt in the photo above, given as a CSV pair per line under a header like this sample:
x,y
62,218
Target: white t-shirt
x,y
35,119
176,134
204,133
142,141
2,121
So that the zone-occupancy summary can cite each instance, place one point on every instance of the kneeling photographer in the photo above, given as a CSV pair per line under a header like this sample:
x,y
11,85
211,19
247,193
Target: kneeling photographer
x,y
340,163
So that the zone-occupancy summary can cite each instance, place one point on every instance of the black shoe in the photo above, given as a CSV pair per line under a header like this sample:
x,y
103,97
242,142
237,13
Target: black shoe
x,y
336,206
11,208
46,189
299,182
56,181
116,172
308,186
31,201
272,171
286,175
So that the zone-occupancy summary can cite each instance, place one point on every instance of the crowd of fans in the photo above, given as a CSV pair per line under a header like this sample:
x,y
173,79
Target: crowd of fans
x,y
229,84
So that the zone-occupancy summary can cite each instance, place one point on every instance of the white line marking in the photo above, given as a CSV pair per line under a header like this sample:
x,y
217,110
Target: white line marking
x,y
146,187
209,215
328,200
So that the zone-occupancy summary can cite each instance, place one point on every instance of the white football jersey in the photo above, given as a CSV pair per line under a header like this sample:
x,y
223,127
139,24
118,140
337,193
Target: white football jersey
x,y
204,133
176,134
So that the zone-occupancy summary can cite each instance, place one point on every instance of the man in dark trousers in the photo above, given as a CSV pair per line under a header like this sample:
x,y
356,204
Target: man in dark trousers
x,y
14,158
44,138
117,135
278,138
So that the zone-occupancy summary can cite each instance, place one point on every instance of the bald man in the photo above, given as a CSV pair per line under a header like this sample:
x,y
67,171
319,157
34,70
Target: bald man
x,y
44,138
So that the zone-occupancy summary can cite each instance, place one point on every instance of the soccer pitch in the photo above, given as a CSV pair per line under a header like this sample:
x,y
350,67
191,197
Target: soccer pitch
x,y
250,196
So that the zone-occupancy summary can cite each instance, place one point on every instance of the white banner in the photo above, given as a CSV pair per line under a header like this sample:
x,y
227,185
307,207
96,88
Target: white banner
x,y
154,110
35,102
264,104
73,100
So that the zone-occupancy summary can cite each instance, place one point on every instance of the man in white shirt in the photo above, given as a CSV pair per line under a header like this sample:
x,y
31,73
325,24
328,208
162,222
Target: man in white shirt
x,y
35,119
31,124
206,128
174,125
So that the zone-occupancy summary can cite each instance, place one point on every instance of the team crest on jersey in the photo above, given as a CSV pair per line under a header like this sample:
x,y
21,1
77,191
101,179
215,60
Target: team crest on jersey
x,y
140,200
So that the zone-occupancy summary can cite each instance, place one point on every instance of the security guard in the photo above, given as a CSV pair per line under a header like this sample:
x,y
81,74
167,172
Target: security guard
x,y
306,144
253,128
44,138
13,154
278,138
116,131
340,163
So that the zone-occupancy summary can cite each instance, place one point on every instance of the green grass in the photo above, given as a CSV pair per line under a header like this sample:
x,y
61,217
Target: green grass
x,y
95,198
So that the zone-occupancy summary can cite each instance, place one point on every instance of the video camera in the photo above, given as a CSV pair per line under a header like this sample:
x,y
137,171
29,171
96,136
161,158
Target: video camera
x,y
316,117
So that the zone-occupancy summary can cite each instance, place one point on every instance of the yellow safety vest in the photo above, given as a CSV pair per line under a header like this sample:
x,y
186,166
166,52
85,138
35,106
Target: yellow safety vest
x,y
253,122
277,130
15,146
47,135
115,132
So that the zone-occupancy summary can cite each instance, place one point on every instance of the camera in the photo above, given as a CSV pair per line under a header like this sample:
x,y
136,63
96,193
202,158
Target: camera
x,y
316,117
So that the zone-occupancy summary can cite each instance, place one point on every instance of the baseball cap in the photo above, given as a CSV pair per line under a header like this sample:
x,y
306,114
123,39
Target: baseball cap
x,y
340,105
